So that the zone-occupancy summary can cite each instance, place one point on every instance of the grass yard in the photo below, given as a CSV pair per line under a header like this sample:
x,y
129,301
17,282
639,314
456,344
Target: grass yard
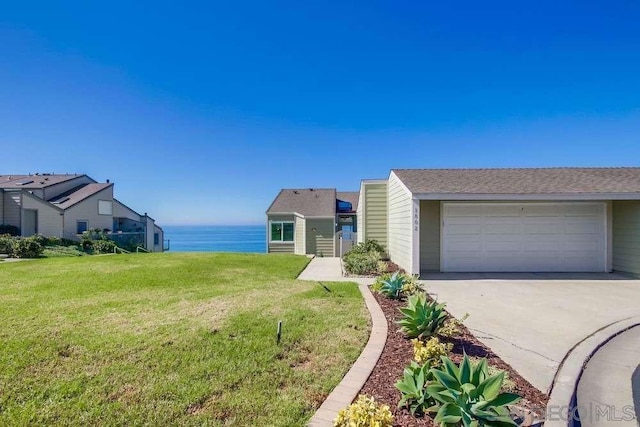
x,y
171,339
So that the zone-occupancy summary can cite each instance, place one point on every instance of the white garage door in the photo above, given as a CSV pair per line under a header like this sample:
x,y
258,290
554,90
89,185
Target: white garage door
x,y
529,237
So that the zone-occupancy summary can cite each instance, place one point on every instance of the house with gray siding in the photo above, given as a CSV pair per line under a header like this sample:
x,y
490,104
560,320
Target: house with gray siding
x,y
66,205
504,220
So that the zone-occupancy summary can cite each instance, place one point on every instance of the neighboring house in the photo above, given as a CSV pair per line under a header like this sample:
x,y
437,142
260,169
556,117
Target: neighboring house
x,y
311,221
67,205
505,220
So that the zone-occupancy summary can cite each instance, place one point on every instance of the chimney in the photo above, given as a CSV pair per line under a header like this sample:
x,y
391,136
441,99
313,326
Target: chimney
x,y
108,181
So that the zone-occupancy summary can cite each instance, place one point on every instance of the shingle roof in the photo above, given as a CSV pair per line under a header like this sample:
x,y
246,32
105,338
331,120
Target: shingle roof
x,y
77,194
521,181
349,196
34,181
307,202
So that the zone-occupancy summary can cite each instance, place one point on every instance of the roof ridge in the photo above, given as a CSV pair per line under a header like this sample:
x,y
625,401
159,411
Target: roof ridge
x,y
521,168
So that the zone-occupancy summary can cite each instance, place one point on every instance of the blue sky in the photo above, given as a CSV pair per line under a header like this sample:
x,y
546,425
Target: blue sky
x,y
201,111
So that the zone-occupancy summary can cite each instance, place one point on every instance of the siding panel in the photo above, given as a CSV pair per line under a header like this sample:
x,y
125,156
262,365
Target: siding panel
x,y
12,208
400,224
49,218
300,248
430,235
320,236
375,213
626,237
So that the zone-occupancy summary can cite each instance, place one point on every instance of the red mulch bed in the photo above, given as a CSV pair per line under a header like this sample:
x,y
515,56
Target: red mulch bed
x,y
398,353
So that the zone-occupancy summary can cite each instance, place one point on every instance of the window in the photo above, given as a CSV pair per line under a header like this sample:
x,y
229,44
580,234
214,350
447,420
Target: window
x,y
281,231
343,206
82,226
156,238
105,207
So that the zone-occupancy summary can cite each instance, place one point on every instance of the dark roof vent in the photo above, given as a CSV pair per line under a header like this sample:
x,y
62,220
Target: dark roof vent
x,y
311,189
296,192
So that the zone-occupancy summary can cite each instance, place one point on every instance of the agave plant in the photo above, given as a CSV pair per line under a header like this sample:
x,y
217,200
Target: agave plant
x,y
422,318
467,395
413,386
391,287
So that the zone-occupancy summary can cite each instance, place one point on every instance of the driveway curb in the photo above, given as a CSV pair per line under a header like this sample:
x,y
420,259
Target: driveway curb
x,y
345,393
563,390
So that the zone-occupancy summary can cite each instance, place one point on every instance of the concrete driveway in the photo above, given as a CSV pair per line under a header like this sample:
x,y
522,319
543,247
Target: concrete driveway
x,y
533,320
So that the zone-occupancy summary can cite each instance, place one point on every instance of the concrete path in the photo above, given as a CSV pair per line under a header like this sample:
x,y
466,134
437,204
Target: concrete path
x,y
323,269
533,320
605,390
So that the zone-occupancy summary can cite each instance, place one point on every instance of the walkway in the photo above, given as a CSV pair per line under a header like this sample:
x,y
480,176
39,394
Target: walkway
x,y
329,270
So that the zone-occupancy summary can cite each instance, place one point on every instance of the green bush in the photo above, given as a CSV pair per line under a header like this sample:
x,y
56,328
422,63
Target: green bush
x,y
413,389
364,412
54,241
422,318
27,247
6,244
103,246
361,263
363,258
11,230
368,247
467,395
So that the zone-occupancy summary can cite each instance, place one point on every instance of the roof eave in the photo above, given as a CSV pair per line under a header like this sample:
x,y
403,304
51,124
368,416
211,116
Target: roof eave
x,y
525,197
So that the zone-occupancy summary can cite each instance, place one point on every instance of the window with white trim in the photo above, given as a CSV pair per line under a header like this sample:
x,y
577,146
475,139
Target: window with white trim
x,y
281,231
105,207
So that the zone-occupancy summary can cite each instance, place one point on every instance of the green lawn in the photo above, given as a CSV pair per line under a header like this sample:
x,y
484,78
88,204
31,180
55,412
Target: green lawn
x,y
171,339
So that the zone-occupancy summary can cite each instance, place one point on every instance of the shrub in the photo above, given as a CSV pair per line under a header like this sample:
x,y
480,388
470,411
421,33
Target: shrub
x,y
467,395
451,327
367,247
6,244
27,247
383,267
364,412
431,351
411,286
361,263
103,246
11,230
422,318
413,389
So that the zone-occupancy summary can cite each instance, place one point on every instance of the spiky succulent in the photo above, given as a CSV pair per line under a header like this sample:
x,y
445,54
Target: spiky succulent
x,y
468,396
422,318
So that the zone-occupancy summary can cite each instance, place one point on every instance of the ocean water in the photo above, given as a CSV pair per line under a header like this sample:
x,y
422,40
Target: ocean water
x,y
216,238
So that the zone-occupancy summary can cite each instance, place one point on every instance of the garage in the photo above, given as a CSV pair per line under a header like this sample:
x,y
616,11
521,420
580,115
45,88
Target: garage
x,y
523,237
